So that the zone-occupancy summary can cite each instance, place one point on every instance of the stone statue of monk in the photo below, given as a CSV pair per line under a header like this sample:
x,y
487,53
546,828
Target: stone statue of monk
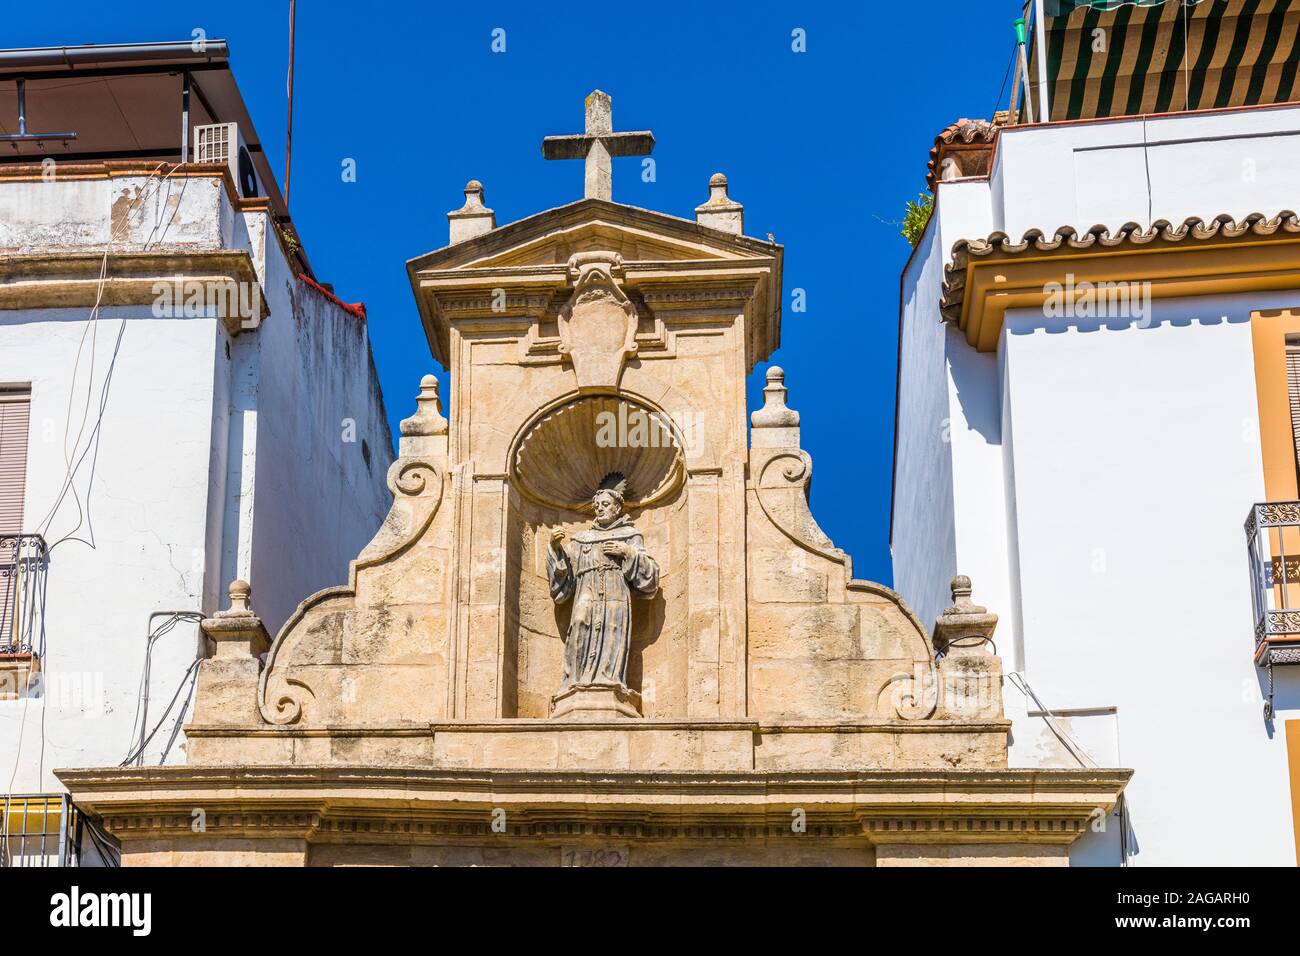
x,y
600,570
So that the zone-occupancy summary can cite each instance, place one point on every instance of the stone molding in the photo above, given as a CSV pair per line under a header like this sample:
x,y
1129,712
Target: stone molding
x,y
320,804
986,277
459,281
61,280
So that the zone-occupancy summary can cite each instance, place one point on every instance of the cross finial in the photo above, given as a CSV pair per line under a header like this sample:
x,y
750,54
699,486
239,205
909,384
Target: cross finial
x,y
597,144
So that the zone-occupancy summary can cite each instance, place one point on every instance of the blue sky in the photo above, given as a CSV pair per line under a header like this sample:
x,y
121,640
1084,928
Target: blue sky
x,y
824,148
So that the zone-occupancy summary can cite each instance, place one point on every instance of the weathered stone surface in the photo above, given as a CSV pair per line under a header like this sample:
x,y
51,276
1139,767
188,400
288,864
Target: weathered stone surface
x,y
395,714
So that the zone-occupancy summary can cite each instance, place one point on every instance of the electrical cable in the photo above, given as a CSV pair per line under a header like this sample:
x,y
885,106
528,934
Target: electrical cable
x,y
180,719
141,718
1076,749
153,187
68,482
1015,55
1080,753
139,752
103,842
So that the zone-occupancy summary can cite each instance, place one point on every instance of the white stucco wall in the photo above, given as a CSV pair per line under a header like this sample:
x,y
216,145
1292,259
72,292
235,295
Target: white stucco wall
x,y
947,419
1098,480
143,508
923,537
218,456
136,211
318,400
1136,459
1173,167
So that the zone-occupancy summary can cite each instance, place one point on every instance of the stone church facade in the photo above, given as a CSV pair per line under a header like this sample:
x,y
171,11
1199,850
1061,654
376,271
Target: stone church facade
x,y
771,708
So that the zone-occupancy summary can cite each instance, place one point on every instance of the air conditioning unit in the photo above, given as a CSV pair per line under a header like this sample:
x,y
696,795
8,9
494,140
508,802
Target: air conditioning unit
x,y
221,143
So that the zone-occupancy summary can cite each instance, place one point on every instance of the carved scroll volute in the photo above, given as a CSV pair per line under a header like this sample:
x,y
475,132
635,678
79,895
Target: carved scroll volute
x,y
782,470
415,478
598,325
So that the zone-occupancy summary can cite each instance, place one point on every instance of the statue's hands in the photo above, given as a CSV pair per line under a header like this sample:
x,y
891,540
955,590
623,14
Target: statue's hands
x,y
557,540
616,550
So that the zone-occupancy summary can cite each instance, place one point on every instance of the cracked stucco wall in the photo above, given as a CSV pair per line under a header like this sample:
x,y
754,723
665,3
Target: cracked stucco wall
x,y
216,456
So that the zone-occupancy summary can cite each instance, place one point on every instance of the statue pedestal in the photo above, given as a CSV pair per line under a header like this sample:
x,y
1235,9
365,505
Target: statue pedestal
x,y
596,702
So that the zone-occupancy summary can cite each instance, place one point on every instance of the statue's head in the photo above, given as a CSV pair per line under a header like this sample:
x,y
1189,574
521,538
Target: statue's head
x,y
608,505
608,499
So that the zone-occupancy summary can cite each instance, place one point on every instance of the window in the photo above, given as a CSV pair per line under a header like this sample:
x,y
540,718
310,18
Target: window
x,y
1293,393
15,411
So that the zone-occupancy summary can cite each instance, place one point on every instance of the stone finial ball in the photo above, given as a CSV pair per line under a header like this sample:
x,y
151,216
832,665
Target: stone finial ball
x,y
717,179
960,585
473,186
429,381
240,588
776,374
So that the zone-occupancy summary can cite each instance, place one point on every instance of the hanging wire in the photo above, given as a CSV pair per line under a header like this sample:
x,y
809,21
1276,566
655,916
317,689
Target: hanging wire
x,y
141,741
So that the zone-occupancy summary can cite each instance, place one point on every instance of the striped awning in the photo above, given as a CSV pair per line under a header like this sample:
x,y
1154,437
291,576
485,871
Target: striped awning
x,y
1127,57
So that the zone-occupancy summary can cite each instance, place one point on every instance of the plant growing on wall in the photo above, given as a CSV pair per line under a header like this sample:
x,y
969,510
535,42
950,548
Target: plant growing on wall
x,y
915,217
290,240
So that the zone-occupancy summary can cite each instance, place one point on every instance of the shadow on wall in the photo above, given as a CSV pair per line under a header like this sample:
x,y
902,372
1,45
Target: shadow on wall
x,y
1111,838
975,377
1286,696
1137,316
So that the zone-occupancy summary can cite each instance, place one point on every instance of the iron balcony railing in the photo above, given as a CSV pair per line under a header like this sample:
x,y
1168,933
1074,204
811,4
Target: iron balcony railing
x,y
23,562
1273,550
43,829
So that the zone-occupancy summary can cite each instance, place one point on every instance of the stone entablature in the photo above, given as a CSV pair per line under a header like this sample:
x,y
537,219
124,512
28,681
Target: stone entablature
x,y
385,815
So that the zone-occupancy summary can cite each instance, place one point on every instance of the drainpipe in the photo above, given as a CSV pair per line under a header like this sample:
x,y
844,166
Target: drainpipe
x,y
185,117
1022,77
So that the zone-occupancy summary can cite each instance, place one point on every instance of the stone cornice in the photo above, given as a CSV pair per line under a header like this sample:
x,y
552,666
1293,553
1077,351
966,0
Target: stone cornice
x,y
540,227
517,258
72,279
502,296
989,276
888,806
1018,784
508,725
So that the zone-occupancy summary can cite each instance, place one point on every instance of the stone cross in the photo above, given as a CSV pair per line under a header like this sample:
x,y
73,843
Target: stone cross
x,y
597,145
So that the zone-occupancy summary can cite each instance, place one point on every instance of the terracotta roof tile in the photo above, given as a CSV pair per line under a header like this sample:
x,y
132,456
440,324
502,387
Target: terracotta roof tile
x,y
1000,246
966,136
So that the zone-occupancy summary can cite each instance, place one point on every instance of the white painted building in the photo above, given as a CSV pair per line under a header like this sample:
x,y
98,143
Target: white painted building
x,y
1092,473
160,443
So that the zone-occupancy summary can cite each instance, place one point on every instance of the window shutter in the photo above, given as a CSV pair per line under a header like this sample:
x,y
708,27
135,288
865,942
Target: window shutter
x,y
1293,393
15,411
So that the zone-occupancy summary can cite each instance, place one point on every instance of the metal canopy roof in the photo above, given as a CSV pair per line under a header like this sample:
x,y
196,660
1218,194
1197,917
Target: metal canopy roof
x,y
124,102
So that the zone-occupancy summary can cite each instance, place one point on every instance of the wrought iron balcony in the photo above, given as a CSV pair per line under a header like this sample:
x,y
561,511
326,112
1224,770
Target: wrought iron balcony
x,y
1273,549
23,560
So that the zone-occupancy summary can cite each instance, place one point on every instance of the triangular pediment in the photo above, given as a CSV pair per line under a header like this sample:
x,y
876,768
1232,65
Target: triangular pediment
x,y
588,225
526,265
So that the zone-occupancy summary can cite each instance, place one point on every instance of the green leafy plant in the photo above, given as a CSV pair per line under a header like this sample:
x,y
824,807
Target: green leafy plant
x,y
916,216
290,240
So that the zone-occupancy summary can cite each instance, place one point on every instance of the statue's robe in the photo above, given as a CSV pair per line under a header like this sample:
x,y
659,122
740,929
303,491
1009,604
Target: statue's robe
x,y
600,626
